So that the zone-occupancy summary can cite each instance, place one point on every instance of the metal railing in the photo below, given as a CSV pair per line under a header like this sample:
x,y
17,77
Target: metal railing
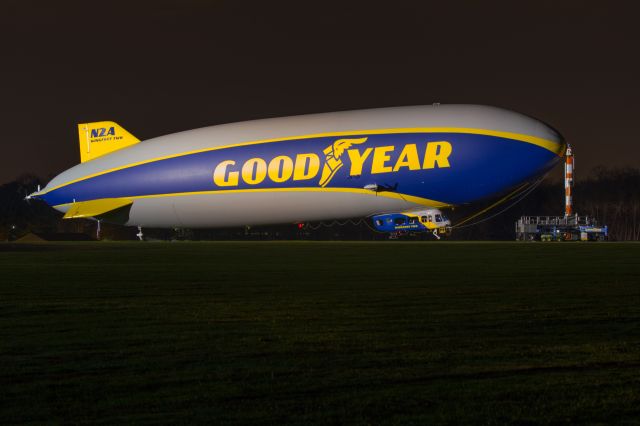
x,y
557,220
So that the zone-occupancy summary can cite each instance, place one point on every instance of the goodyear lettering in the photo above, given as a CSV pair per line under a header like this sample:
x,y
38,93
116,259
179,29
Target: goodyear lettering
x,y
254,171
437,153
380,159
357,160
223,177
307,166
280,169
408,158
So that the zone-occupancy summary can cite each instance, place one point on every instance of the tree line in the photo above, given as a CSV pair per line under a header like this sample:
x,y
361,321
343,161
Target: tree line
x,y
612,195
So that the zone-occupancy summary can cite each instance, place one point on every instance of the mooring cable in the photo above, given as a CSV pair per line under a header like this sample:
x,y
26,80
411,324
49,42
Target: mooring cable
x,y
522,196
522,191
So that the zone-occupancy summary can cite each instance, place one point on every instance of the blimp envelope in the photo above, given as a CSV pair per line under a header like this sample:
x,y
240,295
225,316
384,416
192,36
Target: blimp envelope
x,y
306,168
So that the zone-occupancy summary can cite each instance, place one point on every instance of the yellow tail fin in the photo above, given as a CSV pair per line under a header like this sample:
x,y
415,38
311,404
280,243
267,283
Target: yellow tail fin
x,y
95,208
101,138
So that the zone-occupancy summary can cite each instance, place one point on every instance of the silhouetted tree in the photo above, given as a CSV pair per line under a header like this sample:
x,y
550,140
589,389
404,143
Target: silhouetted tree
x,y
613,196
610,195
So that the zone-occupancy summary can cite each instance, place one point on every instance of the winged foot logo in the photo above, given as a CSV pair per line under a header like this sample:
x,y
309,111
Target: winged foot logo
x,y
306,166
332,161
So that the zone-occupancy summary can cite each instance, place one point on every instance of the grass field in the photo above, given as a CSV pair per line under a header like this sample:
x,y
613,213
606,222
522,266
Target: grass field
x,y
315,333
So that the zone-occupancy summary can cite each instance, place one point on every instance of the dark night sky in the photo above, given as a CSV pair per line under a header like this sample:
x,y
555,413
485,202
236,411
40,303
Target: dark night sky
x,y
164,66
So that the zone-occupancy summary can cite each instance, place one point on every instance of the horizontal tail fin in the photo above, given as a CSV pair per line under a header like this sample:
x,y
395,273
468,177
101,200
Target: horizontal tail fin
x,y
85,209
101,138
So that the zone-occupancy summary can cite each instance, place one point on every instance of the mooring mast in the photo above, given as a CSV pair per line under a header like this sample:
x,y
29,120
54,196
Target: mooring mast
x,y
569,227
568,181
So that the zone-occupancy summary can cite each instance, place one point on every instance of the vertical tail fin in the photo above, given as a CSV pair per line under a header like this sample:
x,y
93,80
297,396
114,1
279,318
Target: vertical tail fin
x,y
101,138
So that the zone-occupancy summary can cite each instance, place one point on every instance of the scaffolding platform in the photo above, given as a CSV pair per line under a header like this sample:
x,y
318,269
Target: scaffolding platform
x,y
560,228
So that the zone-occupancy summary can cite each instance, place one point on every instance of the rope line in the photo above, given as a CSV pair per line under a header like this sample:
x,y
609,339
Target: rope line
x,y
346,222
500,201
521,192
522,196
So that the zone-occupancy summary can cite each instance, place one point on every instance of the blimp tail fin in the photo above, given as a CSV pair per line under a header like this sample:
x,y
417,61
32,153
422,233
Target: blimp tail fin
x,y
96,208
101,138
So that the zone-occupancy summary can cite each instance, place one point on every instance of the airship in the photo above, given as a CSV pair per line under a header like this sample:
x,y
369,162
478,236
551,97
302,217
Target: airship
x,y
400,167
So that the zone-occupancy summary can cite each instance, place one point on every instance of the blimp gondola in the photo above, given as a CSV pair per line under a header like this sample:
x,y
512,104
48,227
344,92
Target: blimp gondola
x,y
401,167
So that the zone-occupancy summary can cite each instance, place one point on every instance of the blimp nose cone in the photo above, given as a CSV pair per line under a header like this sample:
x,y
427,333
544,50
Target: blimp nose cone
x,y
486,163
518,160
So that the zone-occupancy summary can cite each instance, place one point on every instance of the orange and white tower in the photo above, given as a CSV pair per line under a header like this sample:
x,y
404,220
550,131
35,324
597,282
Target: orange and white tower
x,y
568,182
